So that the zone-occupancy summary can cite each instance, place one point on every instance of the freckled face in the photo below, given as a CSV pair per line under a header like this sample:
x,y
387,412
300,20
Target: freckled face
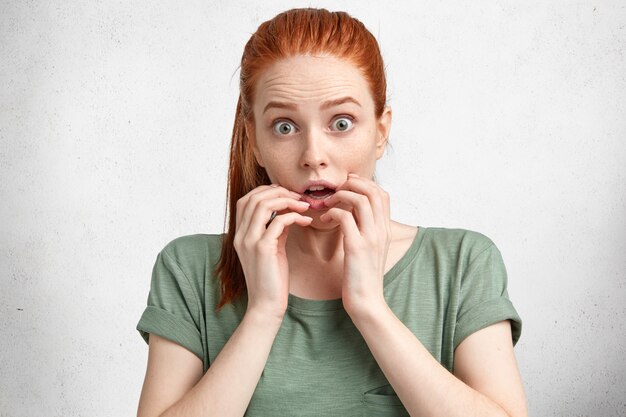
x,y
314,119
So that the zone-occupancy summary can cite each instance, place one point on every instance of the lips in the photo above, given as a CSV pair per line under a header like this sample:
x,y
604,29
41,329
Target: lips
x,y
315,192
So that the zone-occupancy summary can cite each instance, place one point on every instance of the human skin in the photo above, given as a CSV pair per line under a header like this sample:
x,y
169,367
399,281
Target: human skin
x,y
314,120
352,235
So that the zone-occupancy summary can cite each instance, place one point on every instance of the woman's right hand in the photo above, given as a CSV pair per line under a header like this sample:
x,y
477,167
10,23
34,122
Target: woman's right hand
x,y
261,249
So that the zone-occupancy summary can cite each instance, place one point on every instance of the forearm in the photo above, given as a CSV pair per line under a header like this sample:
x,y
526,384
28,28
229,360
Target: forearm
x,y
228,385
423,385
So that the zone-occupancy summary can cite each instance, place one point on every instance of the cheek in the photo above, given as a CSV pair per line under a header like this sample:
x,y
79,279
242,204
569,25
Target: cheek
x,y
276,162
361,156
363,166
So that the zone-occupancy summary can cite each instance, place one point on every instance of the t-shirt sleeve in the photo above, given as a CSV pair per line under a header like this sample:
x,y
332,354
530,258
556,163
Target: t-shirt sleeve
x,y
484,299
173,307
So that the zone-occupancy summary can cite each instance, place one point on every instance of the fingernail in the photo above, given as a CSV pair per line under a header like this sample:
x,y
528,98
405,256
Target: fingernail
x,y
274,185
304,202
293,193
353,175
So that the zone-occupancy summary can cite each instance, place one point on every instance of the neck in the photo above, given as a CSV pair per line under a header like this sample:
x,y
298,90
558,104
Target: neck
x,y
322,245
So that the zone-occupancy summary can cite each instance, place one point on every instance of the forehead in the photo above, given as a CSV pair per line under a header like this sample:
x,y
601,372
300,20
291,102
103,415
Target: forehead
x,y
311,79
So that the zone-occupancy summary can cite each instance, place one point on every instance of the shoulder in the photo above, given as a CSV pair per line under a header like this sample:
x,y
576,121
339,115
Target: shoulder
x,y
194,246
458,238
194,255
194,241
462,244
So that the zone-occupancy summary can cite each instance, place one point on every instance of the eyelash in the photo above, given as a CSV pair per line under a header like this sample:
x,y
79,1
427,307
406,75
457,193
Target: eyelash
x,y
276,122
349,118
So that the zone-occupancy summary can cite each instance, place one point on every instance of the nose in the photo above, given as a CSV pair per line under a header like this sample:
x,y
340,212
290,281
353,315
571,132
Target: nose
x,y
314,154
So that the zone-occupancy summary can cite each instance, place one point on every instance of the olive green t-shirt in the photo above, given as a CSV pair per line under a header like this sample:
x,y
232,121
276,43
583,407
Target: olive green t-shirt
x,y
449,284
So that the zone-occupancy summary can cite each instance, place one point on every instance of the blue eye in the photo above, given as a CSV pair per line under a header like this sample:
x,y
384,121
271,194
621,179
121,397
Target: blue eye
x,y
283,127
342,124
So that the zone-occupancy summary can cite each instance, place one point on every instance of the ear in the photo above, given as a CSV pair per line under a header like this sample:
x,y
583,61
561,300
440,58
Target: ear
x,y
383,127
251,134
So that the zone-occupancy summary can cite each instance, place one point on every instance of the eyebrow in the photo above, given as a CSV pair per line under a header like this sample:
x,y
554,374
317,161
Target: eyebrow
x,y
325,105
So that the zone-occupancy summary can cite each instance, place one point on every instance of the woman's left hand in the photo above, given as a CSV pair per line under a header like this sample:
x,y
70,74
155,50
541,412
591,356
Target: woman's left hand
x,y
361,208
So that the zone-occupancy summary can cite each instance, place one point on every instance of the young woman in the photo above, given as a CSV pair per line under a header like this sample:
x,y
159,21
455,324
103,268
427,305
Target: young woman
x,y
315,302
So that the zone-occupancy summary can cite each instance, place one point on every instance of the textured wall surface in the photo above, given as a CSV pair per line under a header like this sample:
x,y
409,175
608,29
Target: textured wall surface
x,y
115,117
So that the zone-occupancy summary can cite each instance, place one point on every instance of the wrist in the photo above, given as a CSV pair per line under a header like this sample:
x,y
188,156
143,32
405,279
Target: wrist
x,y
366,310
269,318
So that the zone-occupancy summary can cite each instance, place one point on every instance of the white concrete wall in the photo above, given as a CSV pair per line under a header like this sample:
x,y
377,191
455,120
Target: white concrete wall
x,y
115,118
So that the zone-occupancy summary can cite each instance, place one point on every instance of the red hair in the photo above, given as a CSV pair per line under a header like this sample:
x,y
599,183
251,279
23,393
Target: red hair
x,y
293,32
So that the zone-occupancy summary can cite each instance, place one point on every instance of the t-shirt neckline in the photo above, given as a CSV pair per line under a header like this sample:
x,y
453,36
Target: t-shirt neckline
x,y
306,304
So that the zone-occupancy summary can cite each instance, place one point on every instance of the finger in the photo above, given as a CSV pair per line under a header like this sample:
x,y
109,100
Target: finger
x,y
260,190
258,223
279,226
363,213
346,222
261,196
379,198
243,201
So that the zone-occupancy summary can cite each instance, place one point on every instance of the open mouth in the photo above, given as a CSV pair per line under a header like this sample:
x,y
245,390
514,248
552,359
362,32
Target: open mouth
x,y
318,192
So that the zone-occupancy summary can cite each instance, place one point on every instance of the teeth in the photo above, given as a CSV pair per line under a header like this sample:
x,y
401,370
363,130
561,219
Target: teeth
x,y
316,188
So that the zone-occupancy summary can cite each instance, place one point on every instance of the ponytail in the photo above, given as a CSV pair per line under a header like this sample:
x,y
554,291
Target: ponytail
x,y
244,174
